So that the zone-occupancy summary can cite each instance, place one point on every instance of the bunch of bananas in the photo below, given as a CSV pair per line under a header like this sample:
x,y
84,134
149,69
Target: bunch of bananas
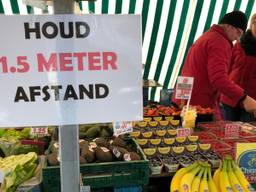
x,y
194,178
229,177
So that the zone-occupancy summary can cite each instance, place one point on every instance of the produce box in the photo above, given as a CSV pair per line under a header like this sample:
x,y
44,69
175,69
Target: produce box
x,y
232,142
205,136
245,155
101,175
218,145
251,140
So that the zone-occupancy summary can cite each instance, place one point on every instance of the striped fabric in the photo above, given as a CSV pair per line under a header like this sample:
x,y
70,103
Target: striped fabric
x,y
169,28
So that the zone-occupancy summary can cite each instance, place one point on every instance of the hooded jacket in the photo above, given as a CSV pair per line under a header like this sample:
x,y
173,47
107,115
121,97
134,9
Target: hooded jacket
x,y
207,61
243,67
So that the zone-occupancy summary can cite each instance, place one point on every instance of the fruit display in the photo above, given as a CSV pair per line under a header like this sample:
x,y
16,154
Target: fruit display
x,y
21,141
104,162
88,131
99,150
155,129
229,177
167,155
196,177
188,117
167,152
16,169
154,109
214,133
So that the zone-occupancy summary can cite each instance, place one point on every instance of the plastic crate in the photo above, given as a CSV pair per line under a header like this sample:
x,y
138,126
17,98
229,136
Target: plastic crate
x,y
101,175
128,189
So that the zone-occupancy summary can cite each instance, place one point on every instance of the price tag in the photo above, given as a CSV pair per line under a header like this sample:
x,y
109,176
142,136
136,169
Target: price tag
x,y
183,132
232,130
1,176
85,188
40,131
122,127
184,87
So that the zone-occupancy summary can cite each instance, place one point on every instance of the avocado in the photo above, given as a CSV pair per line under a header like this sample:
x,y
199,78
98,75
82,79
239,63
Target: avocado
x,y
82,160
82,143
101,142
103,154
119,142
104,133
92,132
131,156
118,152
88,154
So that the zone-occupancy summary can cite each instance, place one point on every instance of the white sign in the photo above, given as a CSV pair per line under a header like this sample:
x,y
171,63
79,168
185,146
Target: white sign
x,y
41,131
184,87
122,128
70,69
183,132
232,130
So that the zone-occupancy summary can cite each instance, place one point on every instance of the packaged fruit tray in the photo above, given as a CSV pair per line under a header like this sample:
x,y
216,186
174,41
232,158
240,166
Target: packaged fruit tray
x,y
101,175
205,135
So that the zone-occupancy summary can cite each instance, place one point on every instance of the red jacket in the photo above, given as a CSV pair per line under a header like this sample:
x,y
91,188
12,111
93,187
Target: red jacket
x,y
207,61
242,72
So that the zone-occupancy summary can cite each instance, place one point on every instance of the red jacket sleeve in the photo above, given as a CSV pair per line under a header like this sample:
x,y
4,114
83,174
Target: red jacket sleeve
x,y
217,67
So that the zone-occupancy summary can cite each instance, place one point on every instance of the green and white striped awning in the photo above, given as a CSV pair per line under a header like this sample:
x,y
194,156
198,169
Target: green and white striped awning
x,y
169,27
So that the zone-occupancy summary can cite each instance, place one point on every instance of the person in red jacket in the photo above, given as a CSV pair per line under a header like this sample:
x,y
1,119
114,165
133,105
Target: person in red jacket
x,y
208,60
243,72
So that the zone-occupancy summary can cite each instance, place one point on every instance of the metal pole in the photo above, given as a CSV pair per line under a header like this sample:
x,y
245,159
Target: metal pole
x,y
68,134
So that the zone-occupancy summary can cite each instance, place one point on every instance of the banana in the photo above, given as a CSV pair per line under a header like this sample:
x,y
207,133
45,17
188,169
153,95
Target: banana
x,y
224,181
216,178
211,184
204,184
186,180
196,182
241,177
175,183
236,186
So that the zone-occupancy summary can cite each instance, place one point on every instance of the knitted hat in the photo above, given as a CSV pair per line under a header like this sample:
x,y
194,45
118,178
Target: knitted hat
x,y
236,19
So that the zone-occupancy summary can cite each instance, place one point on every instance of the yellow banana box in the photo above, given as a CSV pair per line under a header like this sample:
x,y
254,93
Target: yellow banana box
x,y
245,155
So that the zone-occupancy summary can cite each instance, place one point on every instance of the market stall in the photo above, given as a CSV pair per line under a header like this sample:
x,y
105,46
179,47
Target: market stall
x,y
152,152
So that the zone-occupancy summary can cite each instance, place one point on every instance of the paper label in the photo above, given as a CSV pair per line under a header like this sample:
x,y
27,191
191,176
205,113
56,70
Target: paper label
x,y
183,132
232,130
184,87
41,131
121,128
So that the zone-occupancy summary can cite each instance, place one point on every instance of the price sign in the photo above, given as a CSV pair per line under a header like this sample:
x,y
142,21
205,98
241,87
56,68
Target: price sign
x,y
39,131
122,127
183,132
232,130
184,87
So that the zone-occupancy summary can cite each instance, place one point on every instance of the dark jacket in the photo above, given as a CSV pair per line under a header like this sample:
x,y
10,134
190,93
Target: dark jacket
x,y
243,66
207,61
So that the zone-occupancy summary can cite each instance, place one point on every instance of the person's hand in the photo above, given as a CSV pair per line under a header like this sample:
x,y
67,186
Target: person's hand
x,y
249,104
